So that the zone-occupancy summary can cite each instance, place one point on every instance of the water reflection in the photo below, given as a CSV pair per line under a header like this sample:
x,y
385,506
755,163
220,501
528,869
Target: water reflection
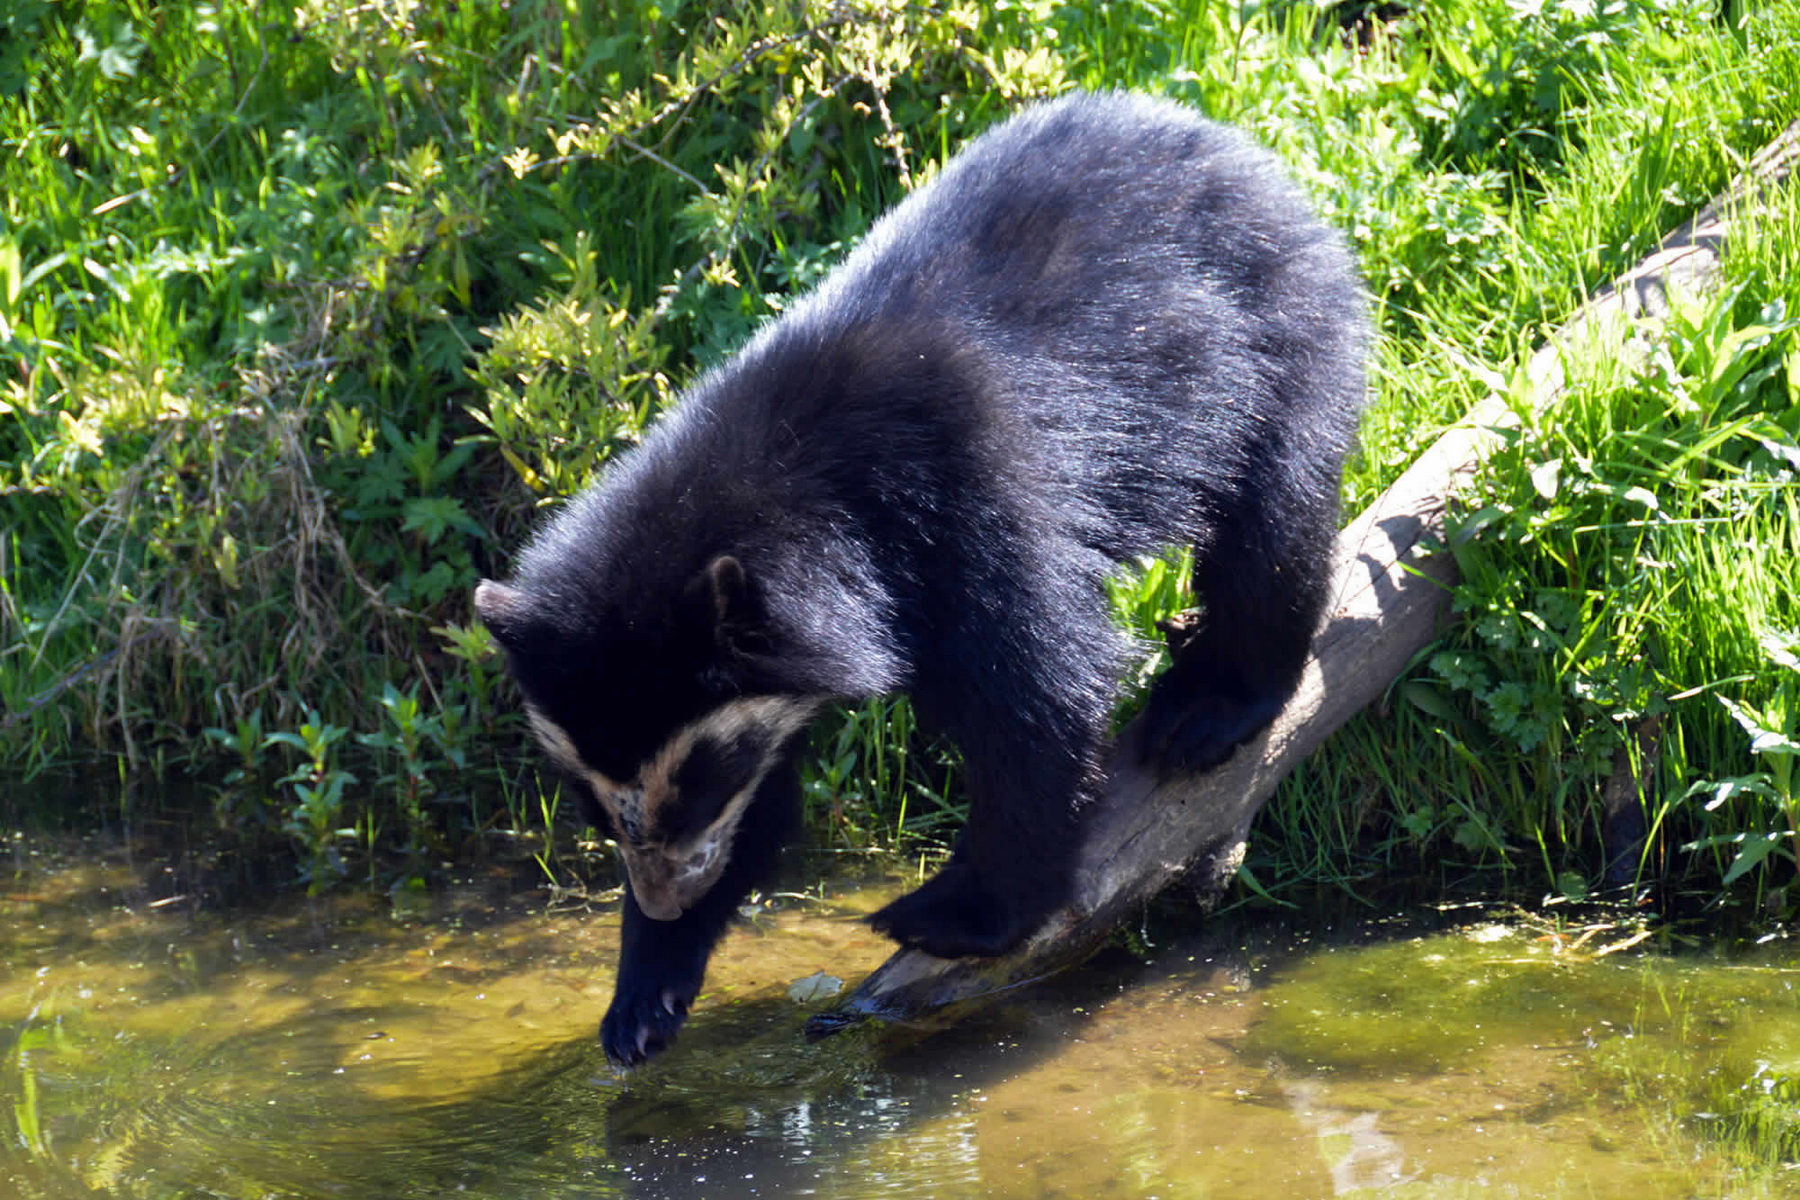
x,y
335,1051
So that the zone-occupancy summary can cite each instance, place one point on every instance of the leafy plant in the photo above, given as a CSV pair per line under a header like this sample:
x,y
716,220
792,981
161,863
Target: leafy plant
x,y
414,748
1577,631
1774,729
315,820
875,779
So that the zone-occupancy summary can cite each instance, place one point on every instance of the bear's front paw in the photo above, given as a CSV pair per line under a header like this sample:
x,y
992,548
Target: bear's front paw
x,y
642,1021
953,916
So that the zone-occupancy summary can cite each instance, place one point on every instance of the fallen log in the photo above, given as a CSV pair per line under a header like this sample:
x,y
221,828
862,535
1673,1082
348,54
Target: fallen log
x,y
1391,590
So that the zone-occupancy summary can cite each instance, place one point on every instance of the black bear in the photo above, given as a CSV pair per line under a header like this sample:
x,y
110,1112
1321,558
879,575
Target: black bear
x,y
1108,327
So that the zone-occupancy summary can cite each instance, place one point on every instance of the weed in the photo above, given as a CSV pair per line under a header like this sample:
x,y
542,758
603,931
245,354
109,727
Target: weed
x,y
413,749
315,821
1774,729
1601,591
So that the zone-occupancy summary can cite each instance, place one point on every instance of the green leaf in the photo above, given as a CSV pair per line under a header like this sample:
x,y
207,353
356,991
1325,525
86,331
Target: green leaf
x,y
1426,699
1749,718
1779,649
1723,791
1572,885
1546,478
1767,741
434,516
1248,878
1457,58
1756,847
1474,835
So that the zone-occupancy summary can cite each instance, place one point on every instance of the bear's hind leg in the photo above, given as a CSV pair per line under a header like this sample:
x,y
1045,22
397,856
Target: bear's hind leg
x,y
1263,588
958,914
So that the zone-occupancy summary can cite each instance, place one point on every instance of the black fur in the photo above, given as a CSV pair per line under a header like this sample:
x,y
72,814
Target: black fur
x,y
1108,327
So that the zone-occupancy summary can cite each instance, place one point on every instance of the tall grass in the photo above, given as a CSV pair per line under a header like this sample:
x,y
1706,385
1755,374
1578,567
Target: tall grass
x,y
1629,616
306,312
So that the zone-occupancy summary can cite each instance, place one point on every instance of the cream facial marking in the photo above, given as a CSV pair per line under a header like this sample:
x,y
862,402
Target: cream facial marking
x,y
668,877
624,802
555,742
774,718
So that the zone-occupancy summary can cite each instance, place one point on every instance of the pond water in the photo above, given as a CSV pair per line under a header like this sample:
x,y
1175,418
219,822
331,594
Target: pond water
x,y
447,1048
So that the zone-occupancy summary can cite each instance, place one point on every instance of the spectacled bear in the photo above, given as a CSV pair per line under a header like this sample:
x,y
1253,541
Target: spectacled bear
x,y
1108,327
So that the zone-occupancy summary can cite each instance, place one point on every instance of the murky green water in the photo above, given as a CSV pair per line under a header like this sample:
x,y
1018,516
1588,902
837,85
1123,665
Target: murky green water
x,y
345,1052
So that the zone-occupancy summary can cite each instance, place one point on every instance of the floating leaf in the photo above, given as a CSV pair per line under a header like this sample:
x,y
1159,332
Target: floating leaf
x,y
815,987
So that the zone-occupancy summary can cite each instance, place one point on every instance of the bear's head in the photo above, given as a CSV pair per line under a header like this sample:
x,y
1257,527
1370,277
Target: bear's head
x,y
670,719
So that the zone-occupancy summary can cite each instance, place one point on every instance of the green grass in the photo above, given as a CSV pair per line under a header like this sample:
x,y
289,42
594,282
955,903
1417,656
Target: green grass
x,y
1628,612
304,315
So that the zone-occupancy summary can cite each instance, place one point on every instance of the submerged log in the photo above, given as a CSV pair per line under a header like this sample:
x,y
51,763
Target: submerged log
x,y
1391,591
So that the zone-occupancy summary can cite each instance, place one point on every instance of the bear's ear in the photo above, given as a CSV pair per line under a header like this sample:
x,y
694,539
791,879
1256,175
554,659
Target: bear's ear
x,y
737,616
730,589
502,608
